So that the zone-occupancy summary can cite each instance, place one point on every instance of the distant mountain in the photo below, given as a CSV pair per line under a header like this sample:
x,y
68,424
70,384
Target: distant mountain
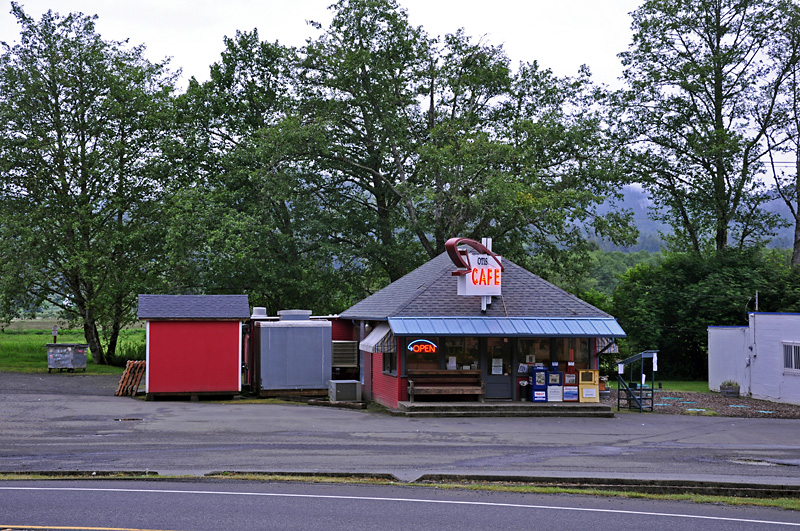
x,y
636,199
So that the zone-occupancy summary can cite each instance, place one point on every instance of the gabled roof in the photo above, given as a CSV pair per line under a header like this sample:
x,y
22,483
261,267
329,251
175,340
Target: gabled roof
x,y
430,291
194,307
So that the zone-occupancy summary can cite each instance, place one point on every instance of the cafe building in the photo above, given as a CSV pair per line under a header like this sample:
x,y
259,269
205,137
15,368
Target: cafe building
x,y
470,310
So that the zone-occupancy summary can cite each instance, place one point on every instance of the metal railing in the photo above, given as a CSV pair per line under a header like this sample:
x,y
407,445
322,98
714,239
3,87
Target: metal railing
x,y
636,394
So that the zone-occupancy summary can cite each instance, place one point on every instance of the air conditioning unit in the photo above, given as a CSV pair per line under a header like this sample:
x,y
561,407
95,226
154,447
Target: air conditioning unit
x,y
344,391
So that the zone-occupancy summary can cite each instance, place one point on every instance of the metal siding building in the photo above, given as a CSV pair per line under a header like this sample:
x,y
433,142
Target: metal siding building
x,y
755,357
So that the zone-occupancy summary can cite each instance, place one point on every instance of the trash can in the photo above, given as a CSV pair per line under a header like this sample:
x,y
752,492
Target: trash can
x,y
523,388
69,356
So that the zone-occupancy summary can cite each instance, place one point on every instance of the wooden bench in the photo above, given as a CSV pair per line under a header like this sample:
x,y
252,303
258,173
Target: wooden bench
x,y
443,382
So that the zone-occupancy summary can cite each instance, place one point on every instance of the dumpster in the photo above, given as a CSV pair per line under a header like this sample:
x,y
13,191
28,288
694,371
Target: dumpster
x,y
69,356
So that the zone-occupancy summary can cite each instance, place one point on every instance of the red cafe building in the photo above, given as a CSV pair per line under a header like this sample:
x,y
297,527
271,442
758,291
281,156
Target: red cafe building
x,y
468,309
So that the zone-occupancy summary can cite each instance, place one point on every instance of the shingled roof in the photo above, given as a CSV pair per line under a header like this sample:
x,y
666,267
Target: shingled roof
x,y
194,307
431,291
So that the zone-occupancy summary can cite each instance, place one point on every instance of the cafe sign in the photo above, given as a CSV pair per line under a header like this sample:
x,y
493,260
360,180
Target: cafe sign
x,y
478,274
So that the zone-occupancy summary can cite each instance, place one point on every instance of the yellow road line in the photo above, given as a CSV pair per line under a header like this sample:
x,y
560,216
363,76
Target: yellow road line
x,y
53,527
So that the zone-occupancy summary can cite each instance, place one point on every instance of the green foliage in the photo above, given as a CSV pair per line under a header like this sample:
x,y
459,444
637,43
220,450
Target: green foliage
x,y
608,266
313,177
703,82
132,346
251,221
81,119
670,306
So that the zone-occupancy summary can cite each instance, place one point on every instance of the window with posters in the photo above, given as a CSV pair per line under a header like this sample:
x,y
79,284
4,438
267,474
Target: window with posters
x,y
461,353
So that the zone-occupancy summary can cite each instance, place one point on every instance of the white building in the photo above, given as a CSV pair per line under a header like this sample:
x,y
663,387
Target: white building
x,y
763,358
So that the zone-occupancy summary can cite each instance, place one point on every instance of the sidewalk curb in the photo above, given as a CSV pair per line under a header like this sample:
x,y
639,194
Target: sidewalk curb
x,y
645,486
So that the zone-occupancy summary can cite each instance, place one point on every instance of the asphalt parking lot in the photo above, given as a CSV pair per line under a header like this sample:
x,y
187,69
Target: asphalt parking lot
x,y
72,422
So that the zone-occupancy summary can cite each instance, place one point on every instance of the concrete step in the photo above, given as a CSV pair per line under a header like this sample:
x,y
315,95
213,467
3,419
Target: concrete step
x,y
504,409
495,414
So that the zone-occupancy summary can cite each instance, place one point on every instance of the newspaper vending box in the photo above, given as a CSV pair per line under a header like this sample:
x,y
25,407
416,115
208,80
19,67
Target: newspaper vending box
x,y
555,383
538,384
590,383
570,388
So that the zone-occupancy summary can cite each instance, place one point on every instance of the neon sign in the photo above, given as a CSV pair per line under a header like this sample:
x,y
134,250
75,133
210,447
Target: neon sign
x,y
478,274
486,277
423,346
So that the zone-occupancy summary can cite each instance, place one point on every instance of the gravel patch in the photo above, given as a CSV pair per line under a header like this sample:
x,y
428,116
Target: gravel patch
x,y
713,404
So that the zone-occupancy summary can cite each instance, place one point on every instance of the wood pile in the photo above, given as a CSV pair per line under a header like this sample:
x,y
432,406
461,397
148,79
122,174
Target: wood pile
x,y
129,382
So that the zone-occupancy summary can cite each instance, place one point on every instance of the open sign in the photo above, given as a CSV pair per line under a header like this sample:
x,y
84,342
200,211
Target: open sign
x,y
423,346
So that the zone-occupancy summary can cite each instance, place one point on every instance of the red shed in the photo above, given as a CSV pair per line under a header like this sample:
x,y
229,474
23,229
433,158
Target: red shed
x,y
194,343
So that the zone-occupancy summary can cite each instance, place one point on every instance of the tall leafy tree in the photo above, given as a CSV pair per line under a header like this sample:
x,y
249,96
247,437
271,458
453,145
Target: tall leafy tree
x,y
81,121
421,139
359,85
783,137
247,218
698,73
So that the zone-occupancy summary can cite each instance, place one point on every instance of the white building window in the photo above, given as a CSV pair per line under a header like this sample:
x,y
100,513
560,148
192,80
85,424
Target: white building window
x,y
791,356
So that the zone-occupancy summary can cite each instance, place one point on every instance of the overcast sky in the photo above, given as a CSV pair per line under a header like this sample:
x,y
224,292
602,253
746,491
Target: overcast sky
x,y
560,34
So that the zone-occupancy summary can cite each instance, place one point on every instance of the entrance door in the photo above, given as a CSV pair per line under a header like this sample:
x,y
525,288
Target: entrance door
x,y
498,374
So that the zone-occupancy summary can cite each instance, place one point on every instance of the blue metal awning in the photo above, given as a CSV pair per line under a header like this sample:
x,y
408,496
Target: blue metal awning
x,y
506,326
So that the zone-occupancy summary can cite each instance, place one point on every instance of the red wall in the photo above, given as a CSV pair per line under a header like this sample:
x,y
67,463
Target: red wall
x,y
342,330
193,356
387,390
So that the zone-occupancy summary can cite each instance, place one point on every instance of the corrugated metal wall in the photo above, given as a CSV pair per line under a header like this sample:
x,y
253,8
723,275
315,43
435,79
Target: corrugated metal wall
x,y
295,354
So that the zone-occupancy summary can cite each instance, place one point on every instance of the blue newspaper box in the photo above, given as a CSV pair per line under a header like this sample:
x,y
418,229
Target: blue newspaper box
x,y
538,384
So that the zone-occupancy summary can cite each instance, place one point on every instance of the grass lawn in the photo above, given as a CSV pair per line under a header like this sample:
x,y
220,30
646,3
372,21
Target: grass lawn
x,y
25,351
674,385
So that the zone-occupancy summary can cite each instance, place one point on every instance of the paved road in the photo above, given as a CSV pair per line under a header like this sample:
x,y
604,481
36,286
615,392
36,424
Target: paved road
x,y
235,506
67,422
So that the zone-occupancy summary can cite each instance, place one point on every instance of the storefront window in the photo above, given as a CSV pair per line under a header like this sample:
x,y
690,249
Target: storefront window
x,y
390,362
546,350
461,353
423,354
533,351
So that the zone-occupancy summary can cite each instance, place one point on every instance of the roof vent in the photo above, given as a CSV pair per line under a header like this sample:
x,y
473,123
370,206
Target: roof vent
x,y
259,312
295,315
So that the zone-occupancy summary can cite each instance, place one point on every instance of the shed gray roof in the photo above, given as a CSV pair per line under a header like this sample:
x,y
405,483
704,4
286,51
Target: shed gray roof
x,y
431,291
202,307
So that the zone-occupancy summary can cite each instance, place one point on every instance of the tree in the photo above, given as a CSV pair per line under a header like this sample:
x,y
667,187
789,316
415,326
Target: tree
x,y
359,88
784,137
699,73
669,306
81,120
421,139
247,218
